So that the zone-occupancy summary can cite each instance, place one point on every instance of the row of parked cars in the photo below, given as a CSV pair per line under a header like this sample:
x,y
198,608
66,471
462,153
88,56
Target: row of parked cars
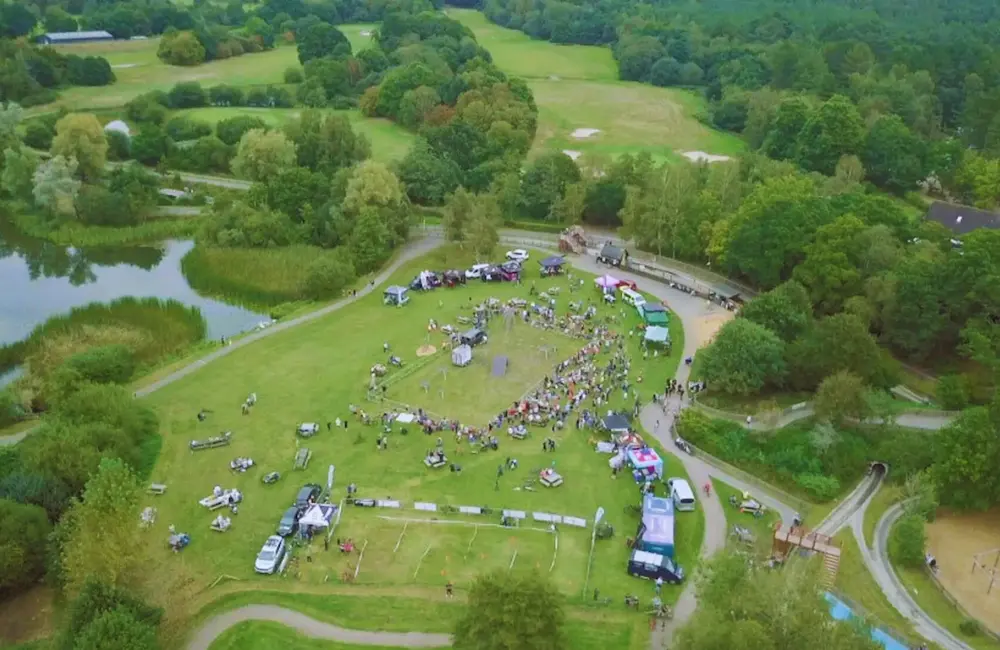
x,y
274,549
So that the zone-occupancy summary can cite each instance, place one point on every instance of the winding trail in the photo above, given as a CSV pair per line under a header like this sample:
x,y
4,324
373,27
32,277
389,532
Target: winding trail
x,y
309,626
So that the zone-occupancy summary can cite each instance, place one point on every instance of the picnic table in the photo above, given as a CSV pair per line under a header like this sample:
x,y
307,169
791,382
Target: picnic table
x,y
302,457
210,443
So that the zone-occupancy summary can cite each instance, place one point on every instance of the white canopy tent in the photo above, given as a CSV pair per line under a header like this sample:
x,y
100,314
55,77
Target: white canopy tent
x,y
462,355
319,515
655,334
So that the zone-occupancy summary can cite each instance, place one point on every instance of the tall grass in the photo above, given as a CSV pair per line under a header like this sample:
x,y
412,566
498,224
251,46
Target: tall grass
x,y
151,328
252,277
79,235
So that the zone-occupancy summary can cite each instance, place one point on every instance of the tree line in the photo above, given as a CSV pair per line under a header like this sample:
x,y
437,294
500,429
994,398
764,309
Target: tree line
x,y
912,86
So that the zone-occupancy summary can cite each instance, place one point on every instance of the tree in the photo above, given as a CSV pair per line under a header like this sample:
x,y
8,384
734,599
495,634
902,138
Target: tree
x,y
58,19
108,364
373,185
19,172
80,136
743,359
371,240
149,145
117,629
828,271
398,81
545,181
511,612
569,207
326,142
102,538
56,185
665,72
457,214
966,454
743,605
329,275
263,154
232,129
835,343
481,232
181,48
24,530
785,310
321,40
187,94
636,56
96,599
893,156
840,396
953,392
833,130
428,176
908,542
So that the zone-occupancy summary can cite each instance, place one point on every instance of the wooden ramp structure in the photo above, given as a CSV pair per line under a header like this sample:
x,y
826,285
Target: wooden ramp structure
x,y
791,538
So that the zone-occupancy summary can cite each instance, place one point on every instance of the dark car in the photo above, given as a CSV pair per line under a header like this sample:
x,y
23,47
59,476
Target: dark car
x,y
289,521
308,494
473,337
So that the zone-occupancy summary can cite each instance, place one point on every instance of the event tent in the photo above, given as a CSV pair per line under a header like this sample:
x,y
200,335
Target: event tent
x,y
654,313
319,515
462,355
615,423
657,334
645,461
396,295
607,282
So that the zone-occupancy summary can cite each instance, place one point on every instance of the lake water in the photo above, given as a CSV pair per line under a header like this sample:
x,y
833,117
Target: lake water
x,y
39,279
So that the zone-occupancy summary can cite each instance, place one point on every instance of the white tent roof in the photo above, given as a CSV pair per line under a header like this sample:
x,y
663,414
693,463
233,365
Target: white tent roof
x,y
607,281
319,515
461,355
657,334
117,125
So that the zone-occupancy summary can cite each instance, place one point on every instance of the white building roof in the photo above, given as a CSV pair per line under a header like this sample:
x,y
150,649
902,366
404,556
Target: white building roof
x,y
77,36
117,125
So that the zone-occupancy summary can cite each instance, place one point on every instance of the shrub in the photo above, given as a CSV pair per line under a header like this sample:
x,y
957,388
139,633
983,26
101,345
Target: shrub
x,y
97,206
231,130
184,128
970,627
326,277
119,145
181,48
24,530
109,364
822,487
293,75
187,94
908,542
953,392
38,134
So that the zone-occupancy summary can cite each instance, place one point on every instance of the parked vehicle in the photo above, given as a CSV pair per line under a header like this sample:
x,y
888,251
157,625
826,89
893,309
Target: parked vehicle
x,y
473,337
307,494
650,566
476,271
518,254
270,556
289,521
307,429
681,493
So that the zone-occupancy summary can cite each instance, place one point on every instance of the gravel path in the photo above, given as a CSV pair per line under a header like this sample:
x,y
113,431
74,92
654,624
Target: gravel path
x,y
215,627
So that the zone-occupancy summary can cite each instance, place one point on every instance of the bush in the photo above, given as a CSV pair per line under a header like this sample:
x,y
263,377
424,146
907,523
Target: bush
x,y
187,94
953,392
98,206
293,75
970,627
119,145
231,130
908,542
824,488
181,48
182,128
38,134
109,364
328,276
24,530
97,599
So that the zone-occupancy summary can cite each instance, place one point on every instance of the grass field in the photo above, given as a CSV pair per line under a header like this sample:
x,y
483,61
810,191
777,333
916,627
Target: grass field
x,y
389,140
762,527
138,70
312,373
577,87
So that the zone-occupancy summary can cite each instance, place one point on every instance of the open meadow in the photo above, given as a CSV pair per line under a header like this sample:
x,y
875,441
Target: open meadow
x,y
315,371
138,70
577,87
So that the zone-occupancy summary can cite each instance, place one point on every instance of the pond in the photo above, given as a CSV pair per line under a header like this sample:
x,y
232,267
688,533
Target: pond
x,y
40,279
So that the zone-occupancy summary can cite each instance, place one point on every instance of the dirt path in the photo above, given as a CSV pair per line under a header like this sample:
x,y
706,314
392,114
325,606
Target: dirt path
x,y
215,627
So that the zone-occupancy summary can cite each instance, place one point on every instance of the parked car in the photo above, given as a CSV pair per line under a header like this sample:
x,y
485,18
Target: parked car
x,y
473,337
307,429
643,564
681,493
518,254
307,494
289,522
269,558
476,271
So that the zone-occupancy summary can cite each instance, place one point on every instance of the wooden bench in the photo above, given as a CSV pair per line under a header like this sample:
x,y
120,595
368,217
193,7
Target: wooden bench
x,y
158,488
302,457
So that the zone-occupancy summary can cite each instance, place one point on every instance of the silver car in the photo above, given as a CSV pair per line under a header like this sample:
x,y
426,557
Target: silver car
x,y
270,555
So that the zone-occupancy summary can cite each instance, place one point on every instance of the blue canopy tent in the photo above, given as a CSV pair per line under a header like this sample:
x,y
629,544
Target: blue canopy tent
x,y
657,334
552,265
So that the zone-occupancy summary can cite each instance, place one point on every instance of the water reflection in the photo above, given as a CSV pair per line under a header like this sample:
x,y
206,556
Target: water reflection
x,y
39,279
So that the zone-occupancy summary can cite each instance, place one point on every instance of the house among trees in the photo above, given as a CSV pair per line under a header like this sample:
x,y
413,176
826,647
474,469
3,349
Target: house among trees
x,y
961,219
65,38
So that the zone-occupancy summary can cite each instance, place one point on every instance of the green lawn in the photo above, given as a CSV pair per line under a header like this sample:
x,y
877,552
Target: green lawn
x,y
762,528
138,70
312,373
389,140
577,87
928,596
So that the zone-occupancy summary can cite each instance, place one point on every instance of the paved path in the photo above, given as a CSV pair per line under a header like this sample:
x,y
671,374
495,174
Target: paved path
x,y
215,627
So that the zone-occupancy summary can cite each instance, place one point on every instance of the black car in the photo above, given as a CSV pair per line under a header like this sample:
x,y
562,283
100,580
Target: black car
x,y
308,494
643,564
473,337
289,521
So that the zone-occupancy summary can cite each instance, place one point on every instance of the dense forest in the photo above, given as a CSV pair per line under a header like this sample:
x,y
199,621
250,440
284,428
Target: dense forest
x,y
908,88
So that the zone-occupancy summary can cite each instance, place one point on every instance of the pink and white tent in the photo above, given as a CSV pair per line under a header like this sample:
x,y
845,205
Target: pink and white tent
x,y
607,282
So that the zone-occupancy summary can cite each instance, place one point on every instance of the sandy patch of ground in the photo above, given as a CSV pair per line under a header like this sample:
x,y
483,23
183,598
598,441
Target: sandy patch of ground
x,y
119,66
365,32
708,324
701,156
955,540
572,153
426,350
583,134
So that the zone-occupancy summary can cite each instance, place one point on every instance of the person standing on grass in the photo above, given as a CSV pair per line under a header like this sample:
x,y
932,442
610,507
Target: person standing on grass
x,y
449,590
659,586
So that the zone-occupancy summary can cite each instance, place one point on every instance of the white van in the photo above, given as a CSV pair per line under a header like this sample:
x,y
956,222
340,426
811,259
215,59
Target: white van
x,y
633,298
680,492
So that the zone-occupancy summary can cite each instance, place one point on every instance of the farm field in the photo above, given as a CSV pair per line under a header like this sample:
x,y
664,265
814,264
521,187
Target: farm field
x,y
577,87
312,374
389,140
138,70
